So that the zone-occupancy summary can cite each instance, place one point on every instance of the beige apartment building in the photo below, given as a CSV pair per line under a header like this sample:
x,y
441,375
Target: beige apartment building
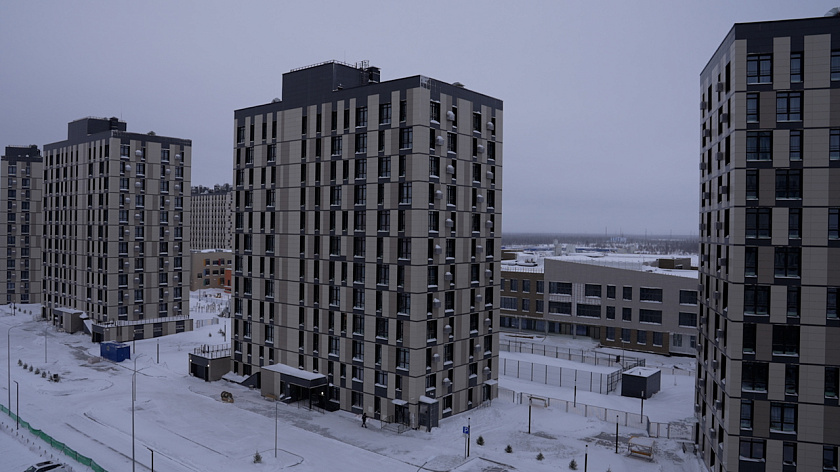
x,y
622,302
117,231
211,217
769,348
366,244
21,178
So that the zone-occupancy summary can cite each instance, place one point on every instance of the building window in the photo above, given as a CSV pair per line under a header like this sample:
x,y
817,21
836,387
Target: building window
x,y
746,414
688,319
752,449
589,311
610,313
793,301
832,374
385,113
757,299
626,314
783,417
361,116
795,223
650,316
361,143
759,145
834,145
641,337
835,65
759,69
592,290
625,335
647,294
785,340
434,111
749,338
795,145
787,261
611,292
796,67
627,293
406,138
610,333
560,308
788,106
560,288
688,297
789,453
752,108
791,379
830,452
758,224
754,377
788,184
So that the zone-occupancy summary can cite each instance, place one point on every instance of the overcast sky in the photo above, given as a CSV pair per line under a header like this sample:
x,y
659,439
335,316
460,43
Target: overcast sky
x,y
600,97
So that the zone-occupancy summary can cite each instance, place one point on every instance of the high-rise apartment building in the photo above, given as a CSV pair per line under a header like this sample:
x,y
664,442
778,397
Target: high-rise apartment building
x,y
366,243
211,217
117,230
21,172
769,348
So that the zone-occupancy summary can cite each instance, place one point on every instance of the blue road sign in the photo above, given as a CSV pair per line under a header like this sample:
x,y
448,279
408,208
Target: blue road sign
x,y
466,430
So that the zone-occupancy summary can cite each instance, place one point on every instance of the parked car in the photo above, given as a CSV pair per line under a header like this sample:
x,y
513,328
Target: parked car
x,y
46,466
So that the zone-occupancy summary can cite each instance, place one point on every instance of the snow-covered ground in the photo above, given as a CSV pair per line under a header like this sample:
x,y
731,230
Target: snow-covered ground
x,y
183,420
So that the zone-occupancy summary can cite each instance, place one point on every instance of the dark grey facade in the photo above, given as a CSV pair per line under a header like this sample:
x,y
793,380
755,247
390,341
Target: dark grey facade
x,y
769,349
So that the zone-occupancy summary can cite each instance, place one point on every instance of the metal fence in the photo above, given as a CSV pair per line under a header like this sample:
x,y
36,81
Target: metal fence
x,y
561,377
59,446
673,430
201,323
576,355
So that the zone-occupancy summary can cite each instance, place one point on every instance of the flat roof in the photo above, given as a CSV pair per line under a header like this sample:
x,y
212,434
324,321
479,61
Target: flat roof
x,y
293,371
640,371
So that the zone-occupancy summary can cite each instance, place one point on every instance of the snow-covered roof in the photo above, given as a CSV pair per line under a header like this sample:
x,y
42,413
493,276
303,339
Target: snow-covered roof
x,y
293,371
640,371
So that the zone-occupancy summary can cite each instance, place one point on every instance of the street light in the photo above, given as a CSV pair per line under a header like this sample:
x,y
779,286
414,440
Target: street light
x,y
9,362
17,405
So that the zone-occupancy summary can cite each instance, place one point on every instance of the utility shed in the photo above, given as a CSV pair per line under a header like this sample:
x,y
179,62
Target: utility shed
x,y
640,382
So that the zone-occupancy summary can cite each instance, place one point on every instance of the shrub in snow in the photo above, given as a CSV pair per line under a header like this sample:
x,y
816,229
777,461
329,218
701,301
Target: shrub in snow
x,y
20,362
573,465
25,365
30,368
540,456
480,441
508,449
43,374
37,371
257,457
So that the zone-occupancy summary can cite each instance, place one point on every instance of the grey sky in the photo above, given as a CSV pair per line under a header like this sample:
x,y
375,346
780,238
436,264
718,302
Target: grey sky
x,y
601,98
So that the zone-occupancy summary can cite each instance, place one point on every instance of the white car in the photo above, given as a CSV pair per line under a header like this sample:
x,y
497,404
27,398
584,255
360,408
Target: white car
x,y
46,466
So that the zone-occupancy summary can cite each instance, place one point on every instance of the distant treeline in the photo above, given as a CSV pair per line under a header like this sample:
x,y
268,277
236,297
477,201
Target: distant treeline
x,y
659,244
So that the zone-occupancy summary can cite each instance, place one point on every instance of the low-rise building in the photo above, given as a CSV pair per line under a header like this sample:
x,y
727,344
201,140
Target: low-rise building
x,y
208,268
626,301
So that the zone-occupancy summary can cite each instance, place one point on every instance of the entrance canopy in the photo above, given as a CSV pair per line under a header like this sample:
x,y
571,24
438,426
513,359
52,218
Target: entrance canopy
x,y
293,376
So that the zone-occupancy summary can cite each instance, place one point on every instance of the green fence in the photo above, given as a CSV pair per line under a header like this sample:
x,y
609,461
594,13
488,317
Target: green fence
x,y
61,447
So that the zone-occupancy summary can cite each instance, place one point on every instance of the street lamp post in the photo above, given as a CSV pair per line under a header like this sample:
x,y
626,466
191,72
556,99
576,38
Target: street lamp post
x,y
17,405
9,363
133,398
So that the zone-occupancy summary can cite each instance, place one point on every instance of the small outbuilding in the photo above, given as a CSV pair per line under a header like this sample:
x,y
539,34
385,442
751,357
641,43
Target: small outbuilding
x,y
116,352
640,382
